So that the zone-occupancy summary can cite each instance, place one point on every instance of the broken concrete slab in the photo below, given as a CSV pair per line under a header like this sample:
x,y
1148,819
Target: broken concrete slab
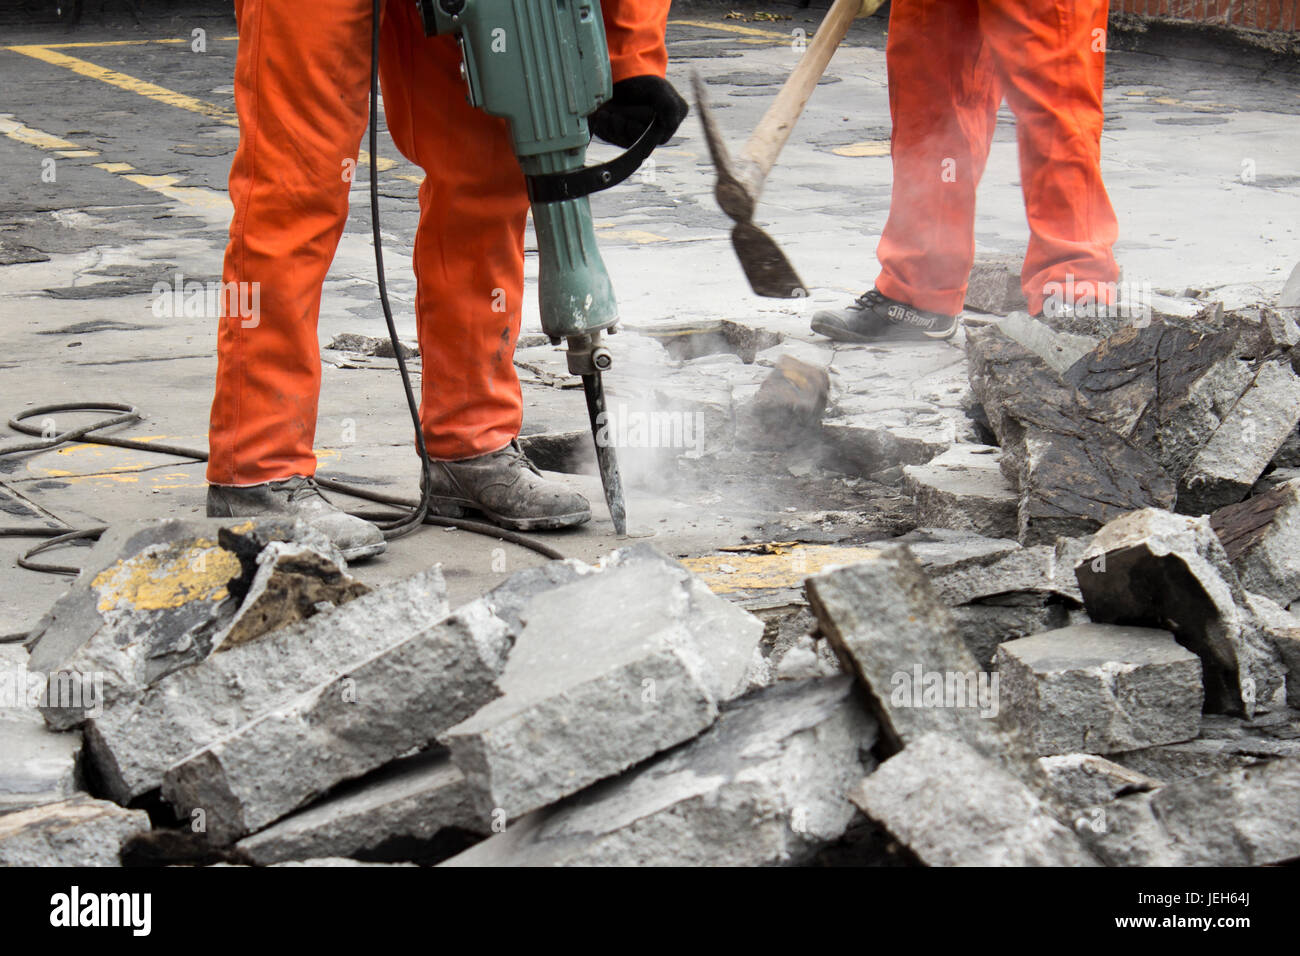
x,y
1244,817
986,623
893,631
994,285
1261,536
1153,568
1164,387
952,806
1098,688
1046,570
1060,350
1234,457
766,785
1282,628
37,765
1225,743
407,803
81,831
1086,781
1072,471
397,701
641,670
964,489
152,598
133,742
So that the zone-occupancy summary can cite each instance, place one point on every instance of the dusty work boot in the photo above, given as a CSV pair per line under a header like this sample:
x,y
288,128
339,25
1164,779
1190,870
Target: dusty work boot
x,y
875,318
300,498
507,489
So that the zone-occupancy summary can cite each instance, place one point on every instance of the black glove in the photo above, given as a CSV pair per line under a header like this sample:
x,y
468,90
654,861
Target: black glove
x,y
636,102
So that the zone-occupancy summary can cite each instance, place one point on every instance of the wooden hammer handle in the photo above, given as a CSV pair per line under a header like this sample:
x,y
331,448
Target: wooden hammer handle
x,y
778,122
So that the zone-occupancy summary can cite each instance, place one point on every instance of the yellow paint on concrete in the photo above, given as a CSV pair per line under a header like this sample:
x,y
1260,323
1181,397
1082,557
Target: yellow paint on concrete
x,y
728,573
126,82
167,576
733,28
115,167
639,236
196,196
871,147
31,136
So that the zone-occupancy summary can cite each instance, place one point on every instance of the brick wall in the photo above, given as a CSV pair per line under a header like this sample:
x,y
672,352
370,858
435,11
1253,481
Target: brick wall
x,y
1250,14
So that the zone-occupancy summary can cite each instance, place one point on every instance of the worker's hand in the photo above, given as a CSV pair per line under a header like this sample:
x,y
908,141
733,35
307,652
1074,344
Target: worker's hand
x,y
636,102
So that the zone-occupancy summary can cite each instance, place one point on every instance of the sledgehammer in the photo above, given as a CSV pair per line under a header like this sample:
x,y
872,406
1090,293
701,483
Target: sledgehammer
x,y
740,181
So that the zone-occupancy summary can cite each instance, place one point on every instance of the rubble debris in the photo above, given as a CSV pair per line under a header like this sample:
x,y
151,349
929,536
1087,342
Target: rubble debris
x,y
407,803
1059,350
152,598
1244,817
953,806
994,285
1101,688
789,405
1261,536
889,626
808,658
1234,457
1282,629
765,785
987,622
643,668
378,346
964,489
1163,387
1042,569
1225,743
133,742
1151,568
397,701
37,765
1085,781
80,831
685,341
1073,472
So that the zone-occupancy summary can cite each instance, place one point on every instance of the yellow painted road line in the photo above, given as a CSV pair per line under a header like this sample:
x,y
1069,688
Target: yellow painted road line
x,y
732,28
91,44
153,91
197,197
130,83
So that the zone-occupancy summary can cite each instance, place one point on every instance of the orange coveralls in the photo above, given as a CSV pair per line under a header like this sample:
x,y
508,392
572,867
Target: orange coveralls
x,y
950,62
302,81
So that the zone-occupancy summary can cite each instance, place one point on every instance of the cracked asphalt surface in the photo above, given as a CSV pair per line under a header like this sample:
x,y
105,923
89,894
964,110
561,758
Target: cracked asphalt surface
x,y
115,141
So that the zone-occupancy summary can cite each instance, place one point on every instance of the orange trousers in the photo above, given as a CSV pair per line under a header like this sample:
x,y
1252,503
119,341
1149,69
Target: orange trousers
x,y
950,62
302,80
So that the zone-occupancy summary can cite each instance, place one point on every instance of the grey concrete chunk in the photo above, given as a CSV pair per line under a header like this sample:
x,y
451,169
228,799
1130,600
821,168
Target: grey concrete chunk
x,y
37,765
985,624
1282,628
952,806
994,285
1046,570
1083,782
410,800
607,671
135,740
1225,743
397,701
1152,568
153,597
964,489
1262,539
1060,350
1098,688
1244,817
1234,457
766,785
81,831
889,626
1073,472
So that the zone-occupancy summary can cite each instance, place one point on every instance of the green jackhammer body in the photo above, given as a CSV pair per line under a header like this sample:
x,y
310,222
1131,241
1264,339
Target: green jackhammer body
x,y
543,66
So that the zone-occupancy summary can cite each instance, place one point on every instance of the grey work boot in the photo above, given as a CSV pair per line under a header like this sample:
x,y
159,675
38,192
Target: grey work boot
x,y
300,498
508,490
876,318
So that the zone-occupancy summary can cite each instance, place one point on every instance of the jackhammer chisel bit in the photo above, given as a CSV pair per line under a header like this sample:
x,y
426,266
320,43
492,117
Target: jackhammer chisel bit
x,y
606,460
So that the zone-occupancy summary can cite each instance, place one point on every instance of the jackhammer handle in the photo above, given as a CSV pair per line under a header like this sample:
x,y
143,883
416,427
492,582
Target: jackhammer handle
x,y
778,122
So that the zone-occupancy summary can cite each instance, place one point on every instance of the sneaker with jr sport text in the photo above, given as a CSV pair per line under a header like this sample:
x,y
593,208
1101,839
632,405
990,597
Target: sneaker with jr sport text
x,y
875,318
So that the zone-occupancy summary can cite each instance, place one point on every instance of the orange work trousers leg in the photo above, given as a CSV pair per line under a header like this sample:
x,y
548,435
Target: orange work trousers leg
x,y
949,64
469,245
302,77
